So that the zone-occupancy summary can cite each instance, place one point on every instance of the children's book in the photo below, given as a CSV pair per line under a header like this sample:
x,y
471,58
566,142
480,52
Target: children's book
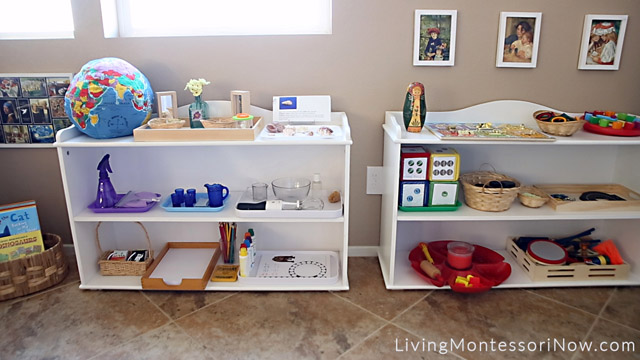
x,y
20,233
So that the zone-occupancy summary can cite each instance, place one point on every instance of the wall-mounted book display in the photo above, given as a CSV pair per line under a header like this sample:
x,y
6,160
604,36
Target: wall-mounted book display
x,y
32,107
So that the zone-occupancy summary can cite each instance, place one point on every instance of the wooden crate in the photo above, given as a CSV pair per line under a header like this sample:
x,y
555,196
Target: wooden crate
x,y
575,272
145,133
177,271
575,190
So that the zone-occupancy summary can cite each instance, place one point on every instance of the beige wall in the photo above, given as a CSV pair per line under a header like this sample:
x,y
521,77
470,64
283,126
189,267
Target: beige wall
x,y
365,65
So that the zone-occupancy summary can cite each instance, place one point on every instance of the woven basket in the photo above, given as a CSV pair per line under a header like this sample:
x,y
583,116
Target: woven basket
x,y
537,201
35,272
219,123
562,128
484,198
121,267
166,123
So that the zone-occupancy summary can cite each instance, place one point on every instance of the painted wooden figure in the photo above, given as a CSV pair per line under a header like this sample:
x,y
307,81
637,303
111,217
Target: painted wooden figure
x,y
415,108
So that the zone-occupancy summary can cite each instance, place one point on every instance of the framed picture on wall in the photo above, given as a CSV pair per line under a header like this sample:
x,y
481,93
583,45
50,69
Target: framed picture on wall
x,y
602,38
518,39
434,38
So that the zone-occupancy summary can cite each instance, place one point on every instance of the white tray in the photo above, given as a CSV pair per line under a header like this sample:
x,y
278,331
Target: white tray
x,y
330,210
325,264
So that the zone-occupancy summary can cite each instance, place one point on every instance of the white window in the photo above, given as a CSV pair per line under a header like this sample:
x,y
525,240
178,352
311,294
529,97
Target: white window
x,y
36,19
152,18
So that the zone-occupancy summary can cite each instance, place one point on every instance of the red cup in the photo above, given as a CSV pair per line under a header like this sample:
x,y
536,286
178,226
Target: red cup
x,y
459,254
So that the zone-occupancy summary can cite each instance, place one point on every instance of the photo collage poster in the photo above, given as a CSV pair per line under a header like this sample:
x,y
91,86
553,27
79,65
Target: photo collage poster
x,y
32,108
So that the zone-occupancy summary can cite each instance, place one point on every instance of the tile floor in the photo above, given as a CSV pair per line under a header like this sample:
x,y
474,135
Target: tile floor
x,y
366,322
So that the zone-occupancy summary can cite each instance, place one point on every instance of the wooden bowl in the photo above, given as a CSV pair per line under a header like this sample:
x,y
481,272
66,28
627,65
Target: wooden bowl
x,y
166,123
531,196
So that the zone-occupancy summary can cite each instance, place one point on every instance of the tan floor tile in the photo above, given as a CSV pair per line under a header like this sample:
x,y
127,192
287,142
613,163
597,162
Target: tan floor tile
x,y
624,307
168,342
300,325
177,304
611,337
366,289
587,299
391,343
498,315
69,323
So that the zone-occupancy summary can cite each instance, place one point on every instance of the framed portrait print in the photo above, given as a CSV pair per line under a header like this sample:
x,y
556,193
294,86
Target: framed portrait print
x,y
167,104
602,38
518,39
434,38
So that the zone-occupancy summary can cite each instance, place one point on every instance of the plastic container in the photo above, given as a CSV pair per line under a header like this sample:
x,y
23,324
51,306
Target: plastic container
x,y
316,186
459,254
243,121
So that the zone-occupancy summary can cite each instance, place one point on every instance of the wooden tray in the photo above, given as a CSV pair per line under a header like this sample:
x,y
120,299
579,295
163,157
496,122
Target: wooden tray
x,y
182,266
575,190
145,133
569,272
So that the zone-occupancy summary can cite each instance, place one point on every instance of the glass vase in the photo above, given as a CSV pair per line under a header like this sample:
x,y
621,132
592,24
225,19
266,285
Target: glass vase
x,y
198,110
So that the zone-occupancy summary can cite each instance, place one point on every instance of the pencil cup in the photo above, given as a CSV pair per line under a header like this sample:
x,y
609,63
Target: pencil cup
x,y
259,191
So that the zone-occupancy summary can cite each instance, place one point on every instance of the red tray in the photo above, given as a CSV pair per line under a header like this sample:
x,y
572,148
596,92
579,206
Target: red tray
x,y
486,264
597,129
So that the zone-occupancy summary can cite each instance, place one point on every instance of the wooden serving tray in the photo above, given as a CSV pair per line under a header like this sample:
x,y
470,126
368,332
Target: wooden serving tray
x,y
575,190
185,133
182,266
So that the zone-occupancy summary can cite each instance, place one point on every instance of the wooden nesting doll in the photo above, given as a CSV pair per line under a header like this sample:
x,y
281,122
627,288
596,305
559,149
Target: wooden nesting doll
x,y
415,108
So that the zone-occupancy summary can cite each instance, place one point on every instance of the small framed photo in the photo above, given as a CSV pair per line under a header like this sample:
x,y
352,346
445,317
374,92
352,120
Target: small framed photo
x,y
518,39
167,104
602,38
434,38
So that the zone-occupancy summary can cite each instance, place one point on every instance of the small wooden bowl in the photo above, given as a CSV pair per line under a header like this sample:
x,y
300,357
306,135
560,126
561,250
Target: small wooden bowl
x,y
166,123
531,196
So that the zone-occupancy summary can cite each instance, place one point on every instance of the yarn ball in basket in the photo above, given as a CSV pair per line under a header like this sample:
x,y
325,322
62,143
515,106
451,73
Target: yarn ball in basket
x,y
108,98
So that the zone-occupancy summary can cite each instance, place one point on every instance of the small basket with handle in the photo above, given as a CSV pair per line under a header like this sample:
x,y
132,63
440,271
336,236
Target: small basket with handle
x,y
123,267
480,195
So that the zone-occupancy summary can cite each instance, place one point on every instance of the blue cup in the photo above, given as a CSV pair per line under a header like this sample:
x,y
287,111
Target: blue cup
x,y
192,191
217,193
180,193
175,200
189,199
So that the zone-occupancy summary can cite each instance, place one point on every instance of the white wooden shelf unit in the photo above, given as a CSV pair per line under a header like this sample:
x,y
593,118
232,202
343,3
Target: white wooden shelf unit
x,y
163,166
583,158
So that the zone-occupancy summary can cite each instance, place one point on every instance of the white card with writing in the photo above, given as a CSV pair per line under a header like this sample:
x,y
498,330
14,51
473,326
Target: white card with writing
x,y
302,109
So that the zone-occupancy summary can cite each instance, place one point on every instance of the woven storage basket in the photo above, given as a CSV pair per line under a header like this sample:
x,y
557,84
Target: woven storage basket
x,y
35,272
218,123
563,128
537,201
121,267
484,198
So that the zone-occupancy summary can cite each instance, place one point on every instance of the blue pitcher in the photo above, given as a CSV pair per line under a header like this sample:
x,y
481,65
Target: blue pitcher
x,y
217,194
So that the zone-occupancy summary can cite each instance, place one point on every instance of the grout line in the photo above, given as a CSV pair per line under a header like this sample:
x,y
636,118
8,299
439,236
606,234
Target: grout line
x,y
206,306
560,302
412,305
613,293
365,339
156,305
356,305
132,339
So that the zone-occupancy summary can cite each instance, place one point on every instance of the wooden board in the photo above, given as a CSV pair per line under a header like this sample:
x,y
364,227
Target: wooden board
x,y
145,133
153,282
575,190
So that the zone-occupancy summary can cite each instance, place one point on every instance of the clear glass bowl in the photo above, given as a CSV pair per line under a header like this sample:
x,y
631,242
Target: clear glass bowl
x,y
291,189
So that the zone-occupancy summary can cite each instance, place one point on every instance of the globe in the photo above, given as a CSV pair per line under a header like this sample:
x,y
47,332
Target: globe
x,y
108,98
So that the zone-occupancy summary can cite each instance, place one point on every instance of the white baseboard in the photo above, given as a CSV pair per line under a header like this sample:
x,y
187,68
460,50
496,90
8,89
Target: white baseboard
x,y
363,251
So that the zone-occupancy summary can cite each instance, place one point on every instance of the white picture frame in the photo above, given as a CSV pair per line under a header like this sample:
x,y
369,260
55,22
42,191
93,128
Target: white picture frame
x,y
598,33
514,26
444,50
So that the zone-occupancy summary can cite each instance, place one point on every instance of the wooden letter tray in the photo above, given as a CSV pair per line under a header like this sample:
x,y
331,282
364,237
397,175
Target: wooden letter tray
x,y
182,266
